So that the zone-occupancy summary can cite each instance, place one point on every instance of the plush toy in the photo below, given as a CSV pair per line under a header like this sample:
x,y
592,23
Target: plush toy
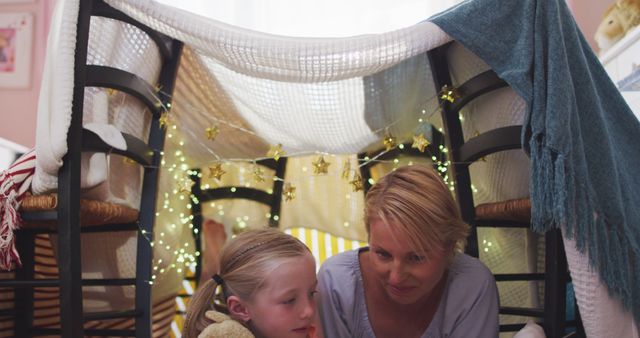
x,y
618,19
224,326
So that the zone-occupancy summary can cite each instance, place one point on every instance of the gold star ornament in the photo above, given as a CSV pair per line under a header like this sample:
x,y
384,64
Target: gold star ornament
x,y
389,142
420,143
276,152
356,183
258,174
289,192
185,185
164,119
216,171
346,170
212,132
449,93
320,166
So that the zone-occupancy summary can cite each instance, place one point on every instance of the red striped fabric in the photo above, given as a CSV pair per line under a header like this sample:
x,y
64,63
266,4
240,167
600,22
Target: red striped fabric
x,y
14,184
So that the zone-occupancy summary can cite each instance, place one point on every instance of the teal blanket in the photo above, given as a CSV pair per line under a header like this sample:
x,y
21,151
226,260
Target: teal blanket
x,y
583,140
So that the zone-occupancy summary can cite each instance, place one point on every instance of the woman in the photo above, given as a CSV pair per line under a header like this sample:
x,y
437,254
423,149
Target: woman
x,y
411,281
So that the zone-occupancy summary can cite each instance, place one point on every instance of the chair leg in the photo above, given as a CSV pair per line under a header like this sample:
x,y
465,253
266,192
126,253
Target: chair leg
x,y
555,284
23,300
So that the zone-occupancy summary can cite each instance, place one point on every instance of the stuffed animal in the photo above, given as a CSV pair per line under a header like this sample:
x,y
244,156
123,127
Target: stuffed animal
x,y
618,19
224,326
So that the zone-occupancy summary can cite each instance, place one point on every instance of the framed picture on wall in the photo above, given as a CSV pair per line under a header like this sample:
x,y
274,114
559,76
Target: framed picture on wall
x,y
16,37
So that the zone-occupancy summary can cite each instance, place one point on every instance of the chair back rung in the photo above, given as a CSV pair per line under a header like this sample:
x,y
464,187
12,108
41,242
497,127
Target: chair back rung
x,y
34,283
137,150
492,141
511,327
109,77
480,84
110,228
495,223
112,315
54,282
109,282
88,332
513,277
521,311
39,216
239,192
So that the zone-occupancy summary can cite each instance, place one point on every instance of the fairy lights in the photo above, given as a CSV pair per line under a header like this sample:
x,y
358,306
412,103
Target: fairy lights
x,y
176,202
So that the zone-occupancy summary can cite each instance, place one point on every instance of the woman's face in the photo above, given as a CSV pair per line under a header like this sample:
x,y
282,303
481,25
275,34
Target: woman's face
x,y
406,276
285,306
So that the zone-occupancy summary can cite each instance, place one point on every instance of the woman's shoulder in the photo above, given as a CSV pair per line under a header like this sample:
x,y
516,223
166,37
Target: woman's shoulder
x,y
467,266
347,260
468,275
340,269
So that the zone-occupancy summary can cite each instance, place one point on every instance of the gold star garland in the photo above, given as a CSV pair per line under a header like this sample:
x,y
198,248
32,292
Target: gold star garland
x,y
258,174
185,184
449,93
216,171
357,183
346,170
320,166
276,152
420,142
289,192
212,132
389,141
127,160
164,119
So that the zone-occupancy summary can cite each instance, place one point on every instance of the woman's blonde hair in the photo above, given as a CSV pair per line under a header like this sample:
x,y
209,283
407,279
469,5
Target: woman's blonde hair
x,y
417,201
245,263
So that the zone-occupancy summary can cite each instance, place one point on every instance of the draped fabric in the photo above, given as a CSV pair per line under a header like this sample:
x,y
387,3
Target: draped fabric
x,y
14,184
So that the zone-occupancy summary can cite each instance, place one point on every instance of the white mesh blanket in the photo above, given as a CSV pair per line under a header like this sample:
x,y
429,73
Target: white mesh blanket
x,y
309,94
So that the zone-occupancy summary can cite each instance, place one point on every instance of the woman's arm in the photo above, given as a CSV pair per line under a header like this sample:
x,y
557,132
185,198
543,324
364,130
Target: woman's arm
x,y
330,304
478,304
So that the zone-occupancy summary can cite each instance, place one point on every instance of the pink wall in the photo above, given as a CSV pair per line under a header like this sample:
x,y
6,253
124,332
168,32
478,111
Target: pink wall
x,y
588,15
18,106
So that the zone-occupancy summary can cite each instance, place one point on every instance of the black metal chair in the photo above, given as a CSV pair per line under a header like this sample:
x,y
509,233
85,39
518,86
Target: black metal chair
x,y
67,219
273,200
506,214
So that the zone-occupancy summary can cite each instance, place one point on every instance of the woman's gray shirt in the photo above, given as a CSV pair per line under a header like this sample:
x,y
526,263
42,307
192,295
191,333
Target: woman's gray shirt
x,y
468,308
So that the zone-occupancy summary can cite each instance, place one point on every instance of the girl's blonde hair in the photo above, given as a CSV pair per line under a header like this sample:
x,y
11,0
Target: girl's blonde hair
x,y
417,201
245,263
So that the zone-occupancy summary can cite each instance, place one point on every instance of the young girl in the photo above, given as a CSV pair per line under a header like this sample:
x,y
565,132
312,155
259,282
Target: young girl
x,y
268,281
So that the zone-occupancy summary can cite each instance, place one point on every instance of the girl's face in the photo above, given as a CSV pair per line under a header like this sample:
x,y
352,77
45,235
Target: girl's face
x,y
406,276
285,306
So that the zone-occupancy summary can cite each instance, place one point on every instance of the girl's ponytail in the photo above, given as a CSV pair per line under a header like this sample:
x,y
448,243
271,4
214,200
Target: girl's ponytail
x,y
201,302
